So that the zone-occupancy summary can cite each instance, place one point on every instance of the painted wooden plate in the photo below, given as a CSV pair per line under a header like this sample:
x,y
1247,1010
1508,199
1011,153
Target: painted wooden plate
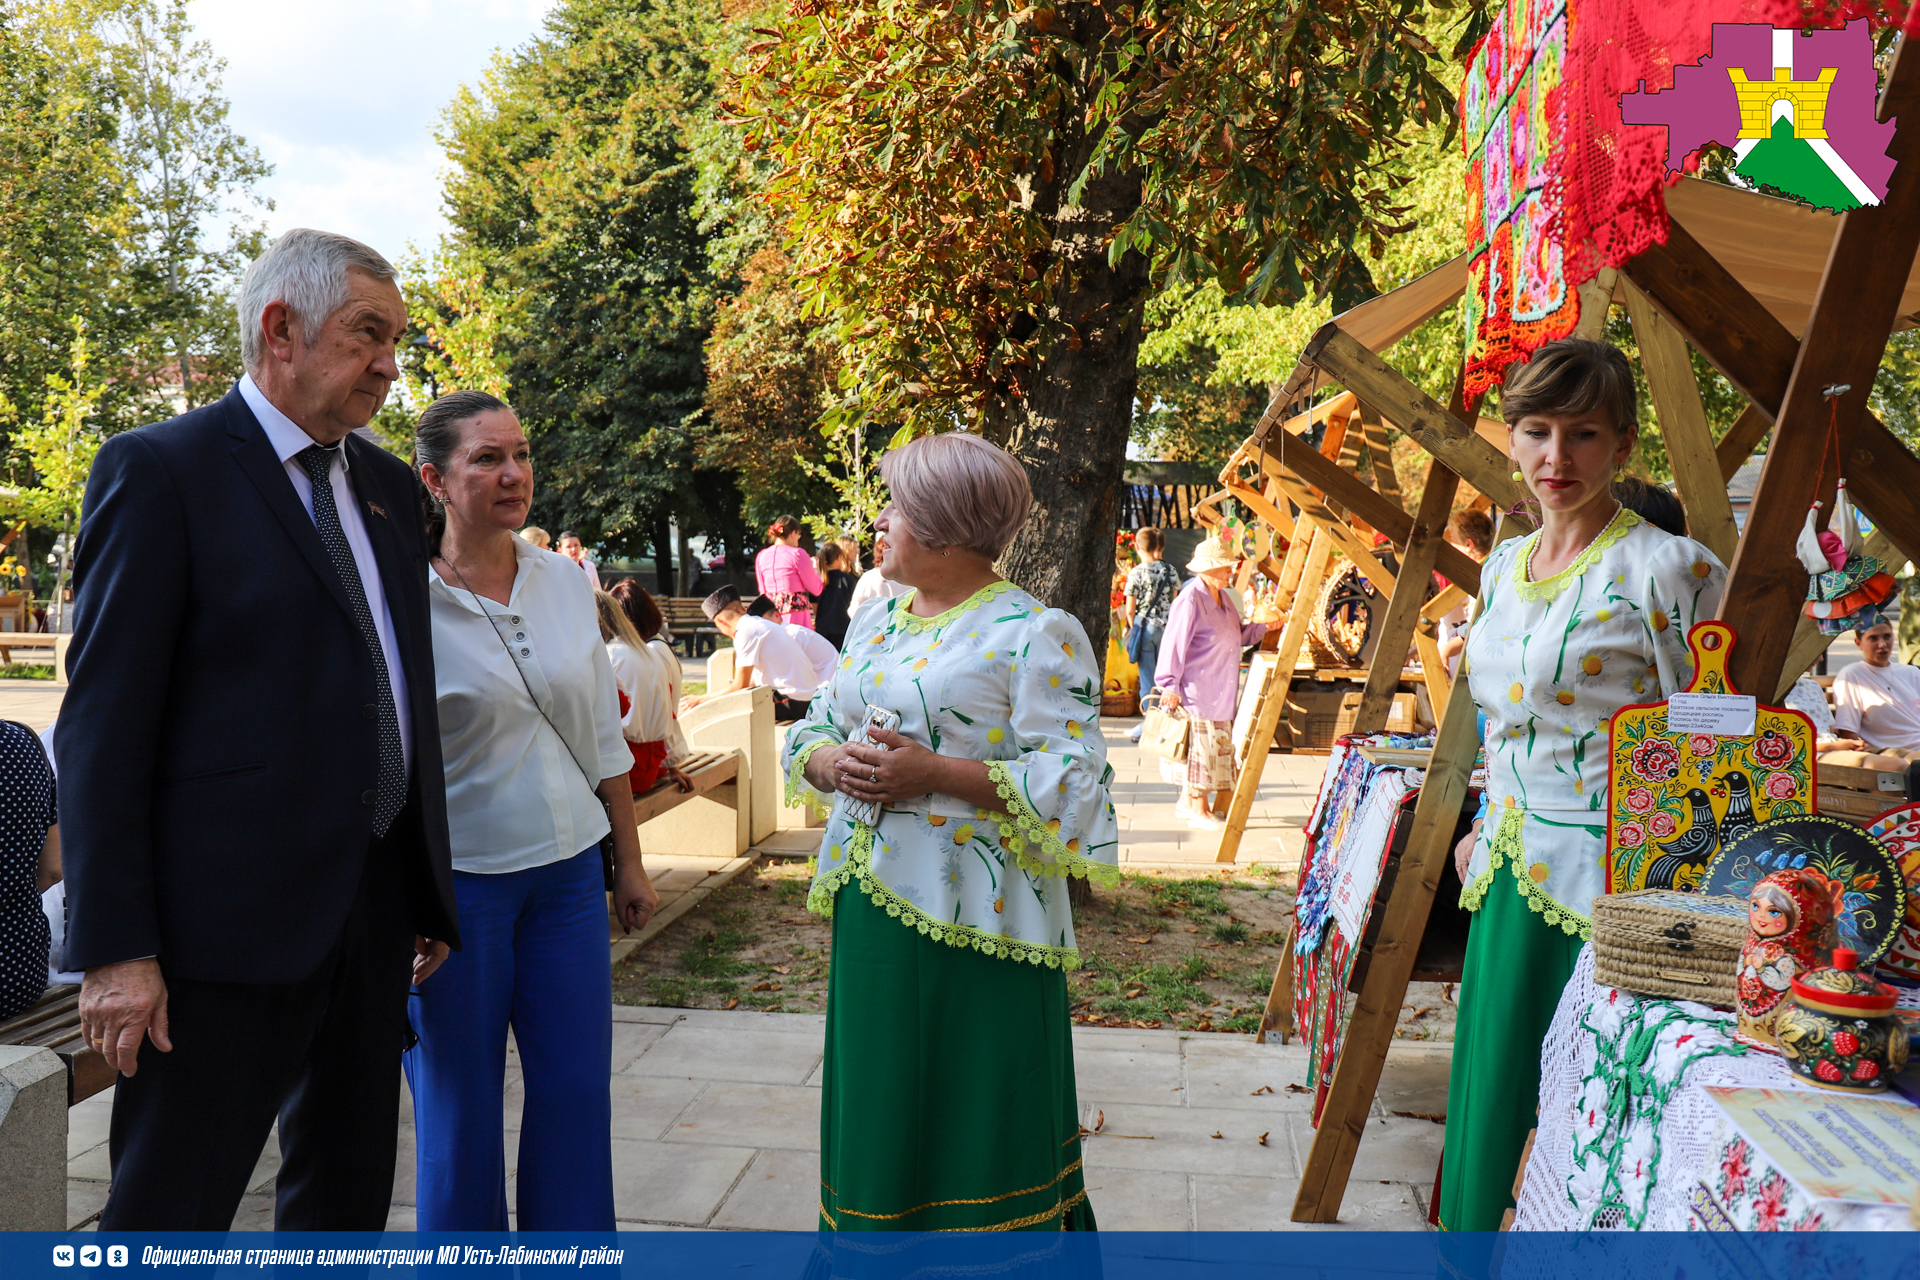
x,y
1676,799
1874,894
1899,830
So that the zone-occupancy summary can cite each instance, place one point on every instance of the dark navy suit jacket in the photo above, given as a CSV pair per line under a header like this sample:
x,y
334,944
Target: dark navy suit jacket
x,y
216,745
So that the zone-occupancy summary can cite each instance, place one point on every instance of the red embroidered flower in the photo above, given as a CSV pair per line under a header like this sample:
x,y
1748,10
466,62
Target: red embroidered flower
x,y
1702,744
1656,761
1632,835
1734,1170
1662,825
1781,786
1769,1206
1639,800
1773,749
1846,1043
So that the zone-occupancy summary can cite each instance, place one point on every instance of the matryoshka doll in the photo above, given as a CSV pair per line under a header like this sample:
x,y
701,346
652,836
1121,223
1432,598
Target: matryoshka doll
x,y
1790,924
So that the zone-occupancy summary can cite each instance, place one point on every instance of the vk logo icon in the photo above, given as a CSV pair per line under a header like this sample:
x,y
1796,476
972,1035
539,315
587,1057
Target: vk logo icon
x,y
89,1255
63,1255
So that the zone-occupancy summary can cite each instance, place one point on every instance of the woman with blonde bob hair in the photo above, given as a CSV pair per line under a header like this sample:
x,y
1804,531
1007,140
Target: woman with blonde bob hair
x,y
949,1097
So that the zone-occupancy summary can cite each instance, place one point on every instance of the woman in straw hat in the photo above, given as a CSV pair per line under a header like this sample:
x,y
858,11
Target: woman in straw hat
x,y
1199,669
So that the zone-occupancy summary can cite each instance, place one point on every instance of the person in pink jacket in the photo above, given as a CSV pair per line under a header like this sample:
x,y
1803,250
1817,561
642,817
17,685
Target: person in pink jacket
x,y
787,575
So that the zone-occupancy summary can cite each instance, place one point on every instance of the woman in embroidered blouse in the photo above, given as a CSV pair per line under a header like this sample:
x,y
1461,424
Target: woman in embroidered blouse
x,y
786,574
948,1098
1586,616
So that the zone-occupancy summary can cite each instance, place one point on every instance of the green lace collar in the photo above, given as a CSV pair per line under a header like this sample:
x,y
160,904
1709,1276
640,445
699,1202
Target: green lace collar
x,y
910,624
1617,528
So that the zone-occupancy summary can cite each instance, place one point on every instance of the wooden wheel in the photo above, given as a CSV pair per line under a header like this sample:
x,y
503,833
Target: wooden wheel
x,y
1342,629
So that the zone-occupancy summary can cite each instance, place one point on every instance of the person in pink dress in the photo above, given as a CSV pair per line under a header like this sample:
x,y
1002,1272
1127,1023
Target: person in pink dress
x,y
787,575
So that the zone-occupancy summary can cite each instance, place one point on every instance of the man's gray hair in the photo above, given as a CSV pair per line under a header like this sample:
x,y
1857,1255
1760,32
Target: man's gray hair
x,y
307,270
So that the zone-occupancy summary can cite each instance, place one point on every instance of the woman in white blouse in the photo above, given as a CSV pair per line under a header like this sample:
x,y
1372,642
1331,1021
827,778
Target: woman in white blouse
x,y
530,732
647,698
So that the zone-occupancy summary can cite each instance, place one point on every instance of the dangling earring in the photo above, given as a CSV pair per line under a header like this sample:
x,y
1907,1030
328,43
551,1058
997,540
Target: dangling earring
x,y
1518,476
944,554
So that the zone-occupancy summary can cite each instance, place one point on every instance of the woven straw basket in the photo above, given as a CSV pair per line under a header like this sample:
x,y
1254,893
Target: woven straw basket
x,y
1677,946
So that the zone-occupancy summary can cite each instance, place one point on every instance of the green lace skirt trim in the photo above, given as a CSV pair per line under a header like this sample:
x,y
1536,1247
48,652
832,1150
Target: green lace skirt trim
x,y
799,790
1507,849
1033,836
859,866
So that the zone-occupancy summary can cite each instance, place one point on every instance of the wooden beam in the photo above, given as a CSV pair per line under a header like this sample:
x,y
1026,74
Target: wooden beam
x,y
1340,531
1419,415
1433,670
1683,423
1742,438
1853,315
1279,684
1278,1015
1596,300
1370,1030
1381,454
1728,326
1403,610
1445,603
1302,465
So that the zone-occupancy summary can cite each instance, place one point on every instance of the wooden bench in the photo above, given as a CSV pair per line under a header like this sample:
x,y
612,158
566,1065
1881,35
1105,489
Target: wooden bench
x,y
708,769
54,1024
689,624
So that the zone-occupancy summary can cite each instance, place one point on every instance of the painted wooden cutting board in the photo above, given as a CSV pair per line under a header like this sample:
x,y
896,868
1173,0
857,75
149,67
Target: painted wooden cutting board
x,y
1675,797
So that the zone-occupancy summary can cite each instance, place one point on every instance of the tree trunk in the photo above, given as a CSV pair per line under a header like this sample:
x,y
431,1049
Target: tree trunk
x,y
662,558
1073,434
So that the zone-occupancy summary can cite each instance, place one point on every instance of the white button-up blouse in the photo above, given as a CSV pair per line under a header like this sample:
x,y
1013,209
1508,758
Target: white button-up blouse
x,y
516,798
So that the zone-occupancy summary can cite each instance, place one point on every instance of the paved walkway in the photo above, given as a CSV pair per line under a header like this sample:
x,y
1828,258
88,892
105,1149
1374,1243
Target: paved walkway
x,y
33,702
716,1124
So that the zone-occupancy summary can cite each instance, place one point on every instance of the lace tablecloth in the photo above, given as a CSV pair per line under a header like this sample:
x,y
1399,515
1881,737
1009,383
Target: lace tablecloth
x,y
1627,1133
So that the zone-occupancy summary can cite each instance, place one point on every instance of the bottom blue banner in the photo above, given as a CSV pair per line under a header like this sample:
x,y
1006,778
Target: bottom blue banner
x,y
1108,1255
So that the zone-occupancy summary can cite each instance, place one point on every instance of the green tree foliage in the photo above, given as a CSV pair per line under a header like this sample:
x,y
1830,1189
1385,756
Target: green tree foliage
x,y
119,182
983,196
573,191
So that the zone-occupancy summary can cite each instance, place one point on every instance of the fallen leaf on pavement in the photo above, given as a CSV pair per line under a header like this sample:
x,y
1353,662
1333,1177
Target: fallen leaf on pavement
x,y
1298,1088
1263,1138
732,1004
1265,1088
1217,1133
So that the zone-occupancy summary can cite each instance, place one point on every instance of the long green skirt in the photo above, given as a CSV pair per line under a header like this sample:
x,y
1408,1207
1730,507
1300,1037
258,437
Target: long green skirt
x,y
948,1101
1516,967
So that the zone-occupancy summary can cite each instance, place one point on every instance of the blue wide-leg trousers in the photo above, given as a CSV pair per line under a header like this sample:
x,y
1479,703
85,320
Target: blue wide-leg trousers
x,y
534,959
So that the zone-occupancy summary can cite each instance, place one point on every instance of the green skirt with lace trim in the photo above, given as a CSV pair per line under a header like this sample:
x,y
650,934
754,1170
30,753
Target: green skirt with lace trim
x,y
1517,964
948,1100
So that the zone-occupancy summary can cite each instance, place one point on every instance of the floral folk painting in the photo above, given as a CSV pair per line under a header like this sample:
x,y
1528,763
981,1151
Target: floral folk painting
x,y
1870,890
1899,830
1676,799
1513,123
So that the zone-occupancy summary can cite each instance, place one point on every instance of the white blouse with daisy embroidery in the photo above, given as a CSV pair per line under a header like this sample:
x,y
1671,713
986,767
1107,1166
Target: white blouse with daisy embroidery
x,y
1548,663
999,678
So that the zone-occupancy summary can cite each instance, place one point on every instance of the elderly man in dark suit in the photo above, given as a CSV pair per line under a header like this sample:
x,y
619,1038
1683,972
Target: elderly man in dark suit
x,y
254,810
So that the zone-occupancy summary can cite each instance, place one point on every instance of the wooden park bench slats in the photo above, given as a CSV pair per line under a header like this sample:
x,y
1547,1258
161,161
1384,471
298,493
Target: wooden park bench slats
x,y
689,623
54,1024
708,769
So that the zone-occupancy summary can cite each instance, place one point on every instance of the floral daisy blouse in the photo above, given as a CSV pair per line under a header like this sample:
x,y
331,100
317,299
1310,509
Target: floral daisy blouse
x,y
999,678
1549,662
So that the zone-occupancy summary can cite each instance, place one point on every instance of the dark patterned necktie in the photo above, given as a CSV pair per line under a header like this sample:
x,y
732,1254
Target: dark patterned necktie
x,y
392,792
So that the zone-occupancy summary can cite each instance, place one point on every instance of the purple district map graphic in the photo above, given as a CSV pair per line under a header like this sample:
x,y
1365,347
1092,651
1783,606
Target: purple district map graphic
x,y
1797,110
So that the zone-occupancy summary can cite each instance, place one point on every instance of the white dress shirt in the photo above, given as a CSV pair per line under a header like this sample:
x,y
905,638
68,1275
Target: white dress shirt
x,y
782,657
669,663
518,794
288,440
873,587
653,695
1880,704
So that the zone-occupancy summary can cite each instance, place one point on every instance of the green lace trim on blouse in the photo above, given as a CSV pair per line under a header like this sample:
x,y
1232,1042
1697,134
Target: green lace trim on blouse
x,y
1031,831
1617,528
1507,849
908,623
799,790
859,863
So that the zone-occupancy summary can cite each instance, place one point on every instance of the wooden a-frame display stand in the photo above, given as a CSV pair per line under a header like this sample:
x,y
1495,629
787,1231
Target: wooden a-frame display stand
x,y
1686,292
